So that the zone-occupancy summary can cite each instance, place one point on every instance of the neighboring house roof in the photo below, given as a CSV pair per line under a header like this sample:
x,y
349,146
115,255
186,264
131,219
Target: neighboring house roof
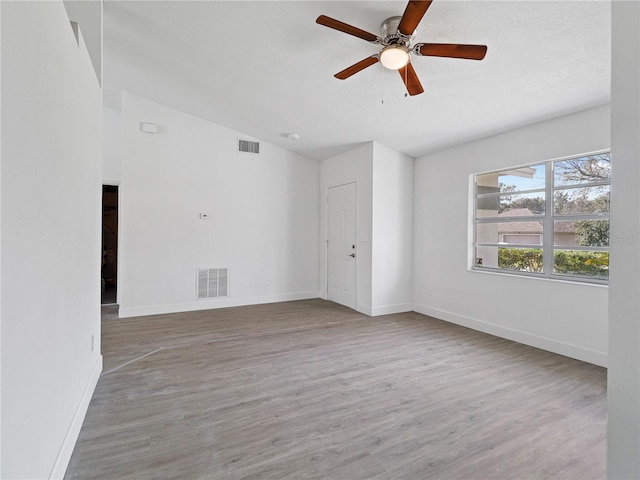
x,y
517,212
565,227
530,227
519,227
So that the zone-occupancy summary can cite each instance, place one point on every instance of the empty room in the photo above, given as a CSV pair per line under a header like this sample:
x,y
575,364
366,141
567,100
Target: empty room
x,y
320,239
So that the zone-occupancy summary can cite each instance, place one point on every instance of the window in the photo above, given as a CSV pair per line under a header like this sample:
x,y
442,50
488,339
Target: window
x,y
548,219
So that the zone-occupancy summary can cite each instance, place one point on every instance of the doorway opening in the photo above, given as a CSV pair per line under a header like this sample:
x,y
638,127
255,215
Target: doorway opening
x,y
109,270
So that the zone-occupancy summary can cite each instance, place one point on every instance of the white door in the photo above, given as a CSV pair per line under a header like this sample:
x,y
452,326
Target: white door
x,y
341,245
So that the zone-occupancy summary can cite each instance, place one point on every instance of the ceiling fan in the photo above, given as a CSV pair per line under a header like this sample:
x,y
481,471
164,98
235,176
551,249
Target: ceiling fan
x,y
396,36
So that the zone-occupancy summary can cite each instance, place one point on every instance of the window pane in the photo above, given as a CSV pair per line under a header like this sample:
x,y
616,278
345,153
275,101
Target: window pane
x,y
512,180
511,205
514,259
514,233
586,233
595,168
578,263
581,200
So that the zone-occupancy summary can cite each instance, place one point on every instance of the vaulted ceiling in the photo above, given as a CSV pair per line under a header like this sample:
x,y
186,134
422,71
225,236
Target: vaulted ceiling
x,y
265,68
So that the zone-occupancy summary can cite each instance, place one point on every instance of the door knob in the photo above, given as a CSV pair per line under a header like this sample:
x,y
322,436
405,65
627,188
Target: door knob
x,y
353,255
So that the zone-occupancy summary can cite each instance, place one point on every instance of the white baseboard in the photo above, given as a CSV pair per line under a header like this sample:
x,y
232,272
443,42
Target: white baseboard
x,y
70,439
544,343
391,309
364,309
125,312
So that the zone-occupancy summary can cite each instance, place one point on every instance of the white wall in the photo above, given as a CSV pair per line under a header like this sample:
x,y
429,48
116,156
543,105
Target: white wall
x,y
563,317
392,255
623,430
355,165
0,247
263,215
111,153
88,15
50,224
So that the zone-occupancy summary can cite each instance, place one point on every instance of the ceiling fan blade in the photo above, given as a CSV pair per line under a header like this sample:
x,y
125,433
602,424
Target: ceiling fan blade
x,y
355,68
412,15
410,79
451,50
346,28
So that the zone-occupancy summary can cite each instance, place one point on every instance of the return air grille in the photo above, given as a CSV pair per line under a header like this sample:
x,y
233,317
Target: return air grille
x,y
247,146
213,282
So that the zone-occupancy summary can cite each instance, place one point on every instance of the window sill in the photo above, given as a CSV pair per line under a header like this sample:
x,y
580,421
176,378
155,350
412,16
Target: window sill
x,y
570,281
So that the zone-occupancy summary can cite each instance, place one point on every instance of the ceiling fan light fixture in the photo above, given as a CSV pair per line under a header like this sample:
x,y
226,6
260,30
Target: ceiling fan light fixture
x,y
394,57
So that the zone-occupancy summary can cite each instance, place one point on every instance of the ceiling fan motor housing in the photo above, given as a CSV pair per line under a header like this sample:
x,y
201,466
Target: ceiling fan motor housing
x,y
390,34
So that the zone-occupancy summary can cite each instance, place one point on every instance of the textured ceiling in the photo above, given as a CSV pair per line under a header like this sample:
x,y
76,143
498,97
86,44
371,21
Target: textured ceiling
x,y
266,68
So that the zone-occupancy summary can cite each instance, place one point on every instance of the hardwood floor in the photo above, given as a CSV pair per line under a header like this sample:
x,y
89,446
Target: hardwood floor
x,y
311,389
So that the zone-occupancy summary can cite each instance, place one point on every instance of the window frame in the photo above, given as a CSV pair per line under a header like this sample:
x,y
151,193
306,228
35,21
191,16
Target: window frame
x,y
547,220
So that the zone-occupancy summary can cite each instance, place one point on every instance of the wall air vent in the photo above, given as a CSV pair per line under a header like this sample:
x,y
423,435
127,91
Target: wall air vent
x,y
213,283
247,146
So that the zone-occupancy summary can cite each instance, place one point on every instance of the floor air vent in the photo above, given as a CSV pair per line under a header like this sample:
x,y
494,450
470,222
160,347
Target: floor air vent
x,y
247,146
213,282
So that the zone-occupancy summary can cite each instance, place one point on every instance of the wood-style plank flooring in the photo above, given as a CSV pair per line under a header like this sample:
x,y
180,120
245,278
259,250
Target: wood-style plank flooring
x,y
313,390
